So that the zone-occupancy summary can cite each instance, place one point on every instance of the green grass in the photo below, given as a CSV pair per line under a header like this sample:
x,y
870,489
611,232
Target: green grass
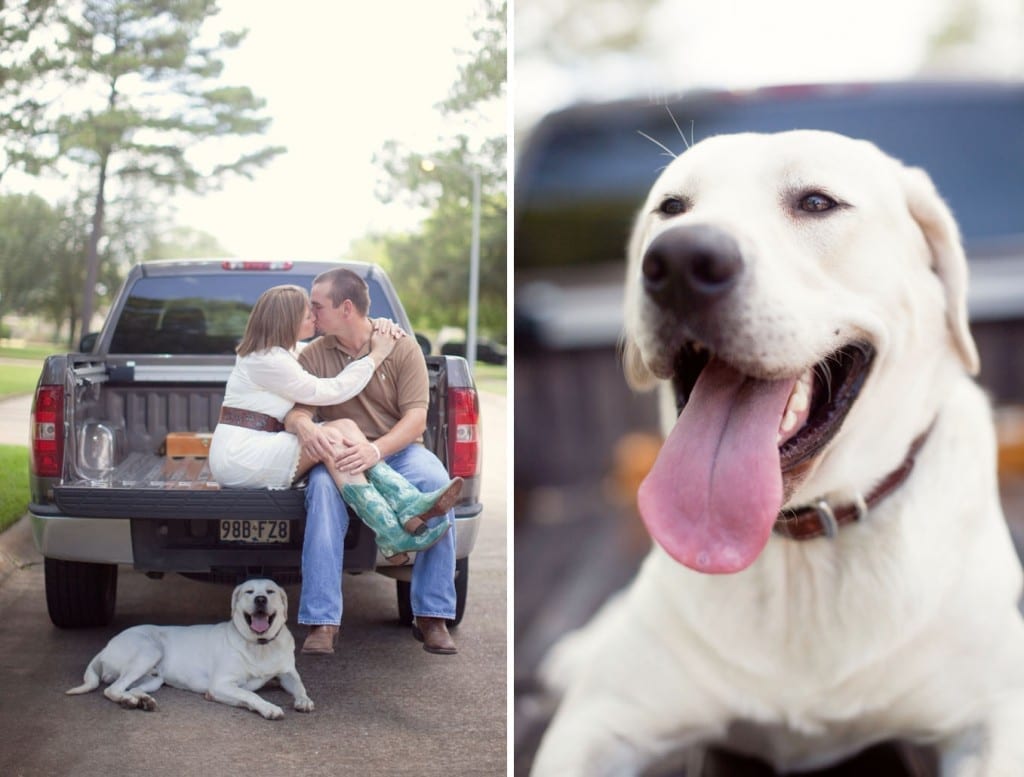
x,y
35,351
13,483
492,378
17,379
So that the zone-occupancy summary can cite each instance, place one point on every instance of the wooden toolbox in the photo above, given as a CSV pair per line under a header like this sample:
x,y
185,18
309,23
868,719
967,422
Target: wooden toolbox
x,y
188,444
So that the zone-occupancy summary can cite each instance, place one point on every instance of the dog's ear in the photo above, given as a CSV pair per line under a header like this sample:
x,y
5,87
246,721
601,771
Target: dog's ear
x,y
235,594
638,375
948,260
284,599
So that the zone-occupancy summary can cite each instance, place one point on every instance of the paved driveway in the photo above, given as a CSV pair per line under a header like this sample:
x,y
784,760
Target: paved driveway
x,y
383,705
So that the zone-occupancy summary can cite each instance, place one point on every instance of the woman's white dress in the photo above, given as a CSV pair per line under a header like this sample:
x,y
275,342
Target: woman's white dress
x,y
271,382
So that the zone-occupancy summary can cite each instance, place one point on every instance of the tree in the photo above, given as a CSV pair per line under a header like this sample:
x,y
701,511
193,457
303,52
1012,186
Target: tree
x,y
60,294
41,249
431,267
26,60
573,32
28,226
183,243
153,96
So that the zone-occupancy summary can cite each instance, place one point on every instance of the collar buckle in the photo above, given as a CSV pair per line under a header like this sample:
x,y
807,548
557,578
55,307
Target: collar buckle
x,y
827,518
826,513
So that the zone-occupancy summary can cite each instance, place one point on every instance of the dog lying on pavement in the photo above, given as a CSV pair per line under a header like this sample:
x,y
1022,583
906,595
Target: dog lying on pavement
x,y
226,661
831,566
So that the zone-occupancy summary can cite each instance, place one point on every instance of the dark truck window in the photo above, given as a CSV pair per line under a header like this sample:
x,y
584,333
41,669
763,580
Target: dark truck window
x,y
202,313
585,171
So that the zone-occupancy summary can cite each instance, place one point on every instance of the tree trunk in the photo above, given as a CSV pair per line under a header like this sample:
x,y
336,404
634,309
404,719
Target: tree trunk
x,y
72,319
92,259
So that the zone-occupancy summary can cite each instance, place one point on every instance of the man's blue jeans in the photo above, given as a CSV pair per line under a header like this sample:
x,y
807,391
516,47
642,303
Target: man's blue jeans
x,y
433,574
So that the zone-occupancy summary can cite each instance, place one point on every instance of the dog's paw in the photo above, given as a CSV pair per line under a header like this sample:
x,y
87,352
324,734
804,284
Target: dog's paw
x,y
271,712
143,701
305,704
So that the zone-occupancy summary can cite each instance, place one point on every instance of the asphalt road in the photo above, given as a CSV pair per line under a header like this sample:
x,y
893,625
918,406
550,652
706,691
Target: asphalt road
x,y
383,705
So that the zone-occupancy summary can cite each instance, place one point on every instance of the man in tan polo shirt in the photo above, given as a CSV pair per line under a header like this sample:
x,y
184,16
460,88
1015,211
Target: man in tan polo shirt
x,y
392,412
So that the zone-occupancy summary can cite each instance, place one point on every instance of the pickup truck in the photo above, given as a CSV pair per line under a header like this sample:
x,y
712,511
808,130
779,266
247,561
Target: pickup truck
x,y
106,488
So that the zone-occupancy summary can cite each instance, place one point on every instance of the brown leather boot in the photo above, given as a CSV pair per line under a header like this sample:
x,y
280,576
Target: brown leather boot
x,y
320,640
433,633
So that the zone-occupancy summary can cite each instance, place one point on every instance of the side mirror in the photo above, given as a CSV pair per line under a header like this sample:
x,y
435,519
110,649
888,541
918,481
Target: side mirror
x,y
424,342
88,342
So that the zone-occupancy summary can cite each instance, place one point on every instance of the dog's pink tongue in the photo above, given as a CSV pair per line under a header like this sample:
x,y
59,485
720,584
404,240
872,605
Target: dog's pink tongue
x,y
259,623
716,487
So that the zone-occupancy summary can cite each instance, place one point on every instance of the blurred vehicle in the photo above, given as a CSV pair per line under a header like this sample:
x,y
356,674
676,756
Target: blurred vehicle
x,y
487,351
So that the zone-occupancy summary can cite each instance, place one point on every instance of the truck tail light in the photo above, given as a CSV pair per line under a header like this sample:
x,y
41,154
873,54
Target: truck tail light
x,y
48,432
239,265
464,432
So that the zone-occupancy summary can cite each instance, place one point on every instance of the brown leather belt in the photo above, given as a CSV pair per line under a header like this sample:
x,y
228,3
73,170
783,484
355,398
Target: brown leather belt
x,y
250,419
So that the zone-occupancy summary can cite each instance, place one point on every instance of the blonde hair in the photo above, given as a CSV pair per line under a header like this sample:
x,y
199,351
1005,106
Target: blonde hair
x,y
275,319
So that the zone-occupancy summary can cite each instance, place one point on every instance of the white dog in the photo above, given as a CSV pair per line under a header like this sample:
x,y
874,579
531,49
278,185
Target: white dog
x,y
225,661
831,566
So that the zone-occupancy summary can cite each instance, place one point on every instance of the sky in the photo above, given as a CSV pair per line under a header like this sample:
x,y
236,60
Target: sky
x,y
339,79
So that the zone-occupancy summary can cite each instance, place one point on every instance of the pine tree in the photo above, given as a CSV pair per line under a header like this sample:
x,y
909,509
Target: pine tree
x,y
148,88
26,61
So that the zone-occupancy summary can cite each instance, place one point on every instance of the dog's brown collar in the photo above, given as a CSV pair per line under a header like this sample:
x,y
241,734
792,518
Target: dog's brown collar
x,y
823,519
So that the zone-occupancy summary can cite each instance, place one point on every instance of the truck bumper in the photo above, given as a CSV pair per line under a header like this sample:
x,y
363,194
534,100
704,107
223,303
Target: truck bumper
x,y
467,527
98,540
109,540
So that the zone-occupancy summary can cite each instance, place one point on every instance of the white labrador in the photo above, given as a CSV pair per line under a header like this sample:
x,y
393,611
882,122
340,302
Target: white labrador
x,y
831,566
225,661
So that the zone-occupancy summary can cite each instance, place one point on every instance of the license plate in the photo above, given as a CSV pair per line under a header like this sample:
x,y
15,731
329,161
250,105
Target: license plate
x,y
254,531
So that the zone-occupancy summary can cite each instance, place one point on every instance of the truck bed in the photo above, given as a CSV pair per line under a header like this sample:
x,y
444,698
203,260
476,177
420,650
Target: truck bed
x,y
148,485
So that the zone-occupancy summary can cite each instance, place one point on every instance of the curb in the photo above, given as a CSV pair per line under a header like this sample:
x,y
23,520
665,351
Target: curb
x,y
17,549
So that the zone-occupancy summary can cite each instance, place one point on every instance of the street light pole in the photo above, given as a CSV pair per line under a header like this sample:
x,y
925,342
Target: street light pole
x,y
474,274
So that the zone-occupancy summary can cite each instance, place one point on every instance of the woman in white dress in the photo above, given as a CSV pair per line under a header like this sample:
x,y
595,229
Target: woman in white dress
x,y
251,449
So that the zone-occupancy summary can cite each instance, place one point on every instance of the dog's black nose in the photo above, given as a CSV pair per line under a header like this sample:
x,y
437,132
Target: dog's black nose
x,y
261,601
691,266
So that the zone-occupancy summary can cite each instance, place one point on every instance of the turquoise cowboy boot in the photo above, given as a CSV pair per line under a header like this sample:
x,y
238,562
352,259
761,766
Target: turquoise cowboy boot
x,y
412,507
373,510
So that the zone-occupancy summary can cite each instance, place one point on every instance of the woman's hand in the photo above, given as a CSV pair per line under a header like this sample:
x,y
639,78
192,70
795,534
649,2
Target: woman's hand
x,y
380,347
387,327
314,441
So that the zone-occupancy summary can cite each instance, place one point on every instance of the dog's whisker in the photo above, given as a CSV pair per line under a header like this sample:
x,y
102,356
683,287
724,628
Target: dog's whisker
x,y
659,144
680,129
824,372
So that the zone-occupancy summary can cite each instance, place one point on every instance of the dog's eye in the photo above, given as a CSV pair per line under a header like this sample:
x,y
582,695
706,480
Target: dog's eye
x,y
672,206
816,202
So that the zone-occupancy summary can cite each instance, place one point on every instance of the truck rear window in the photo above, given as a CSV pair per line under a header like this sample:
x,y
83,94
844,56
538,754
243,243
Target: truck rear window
x,y
586,170
201,313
